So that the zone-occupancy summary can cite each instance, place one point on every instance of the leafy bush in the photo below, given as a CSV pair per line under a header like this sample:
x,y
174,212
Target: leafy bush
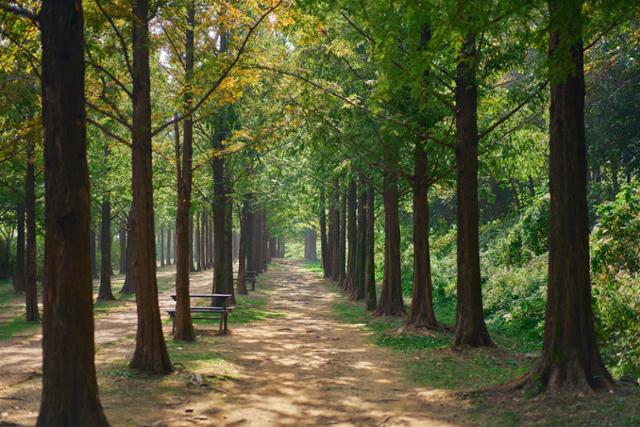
x,y
528,237
616,282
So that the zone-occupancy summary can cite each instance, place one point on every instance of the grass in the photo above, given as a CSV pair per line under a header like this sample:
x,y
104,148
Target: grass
x,y
16,326
428,360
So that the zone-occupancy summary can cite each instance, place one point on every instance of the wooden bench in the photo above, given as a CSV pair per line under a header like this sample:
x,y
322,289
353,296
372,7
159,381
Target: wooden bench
x,y
217,312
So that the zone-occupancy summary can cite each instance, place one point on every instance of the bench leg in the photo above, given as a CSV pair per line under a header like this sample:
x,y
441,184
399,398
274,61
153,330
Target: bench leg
x,y
253,285
173,325
226,315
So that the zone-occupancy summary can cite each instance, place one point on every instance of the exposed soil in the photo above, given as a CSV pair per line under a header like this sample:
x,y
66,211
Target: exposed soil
x,y
302,368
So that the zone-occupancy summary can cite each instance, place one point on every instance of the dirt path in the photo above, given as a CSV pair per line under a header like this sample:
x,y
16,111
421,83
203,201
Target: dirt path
x,y
303,368
307,369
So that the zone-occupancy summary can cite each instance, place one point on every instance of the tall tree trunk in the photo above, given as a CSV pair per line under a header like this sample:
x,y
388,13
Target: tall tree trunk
x,y
19,274
31,294
359,284
197,225
334,231
168,251
104,292
370,264
151,353
471,329
242,247
421,312
162,246
129,285
122,239
310,244
184,179
251,229
94,262
324,246
570,359
391,303
342,246
69,387
228,256
192,264
352,236
219,216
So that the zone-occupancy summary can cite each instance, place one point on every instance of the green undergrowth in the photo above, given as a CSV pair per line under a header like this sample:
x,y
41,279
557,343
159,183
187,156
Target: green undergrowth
x,y
315,266
17,325
429,359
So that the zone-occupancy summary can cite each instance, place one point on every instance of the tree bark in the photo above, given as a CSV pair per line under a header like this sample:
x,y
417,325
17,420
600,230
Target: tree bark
x,y
31,294
19,274
192,265
162,246
391,303
421,312
359,284
334,231
242,247
151,353
324,246
168,260
184,180
370,265
94,262
570,359
471,329
104,292
129,285
342,246
69,387
352,236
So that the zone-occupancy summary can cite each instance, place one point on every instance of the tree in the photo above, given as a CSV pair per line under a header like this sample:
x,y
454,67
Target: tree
x,y
470,326
69,387
31,293
151,352
570,359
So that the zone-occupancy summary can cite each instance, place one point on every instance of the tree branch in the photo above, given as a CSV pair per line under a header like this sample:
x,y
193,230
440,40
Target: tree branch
x,y
222,77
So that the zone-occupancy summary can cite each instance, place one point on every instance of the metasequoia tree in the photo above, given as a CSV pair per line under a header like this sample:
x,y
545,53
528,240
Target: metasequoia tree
x,y
69,387
570,358
151,353
31,293
471,329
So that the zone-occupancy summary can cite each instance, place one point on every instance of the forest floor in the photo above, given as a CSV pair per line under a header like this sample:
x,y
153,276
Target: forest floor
x,y
299,354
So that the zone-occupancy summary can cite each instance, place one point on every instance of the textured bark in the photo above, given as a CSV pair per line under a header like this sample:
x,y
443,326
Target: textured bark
x,y
31,294
471,329
92,248
391,303
184,180
104,292
359,284
310,244
324,245
129,285
197,226
161,246
570,359
342,242
421,312
334,231
352,236
228,250
370,265
150,354
192,266
242,247
168,260
69,387
19,274
251,236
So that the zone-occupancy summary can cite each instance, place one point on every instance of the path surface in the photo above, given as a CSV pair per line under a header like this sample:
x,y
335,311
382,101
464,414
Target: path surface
x,y
301,369
307,369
